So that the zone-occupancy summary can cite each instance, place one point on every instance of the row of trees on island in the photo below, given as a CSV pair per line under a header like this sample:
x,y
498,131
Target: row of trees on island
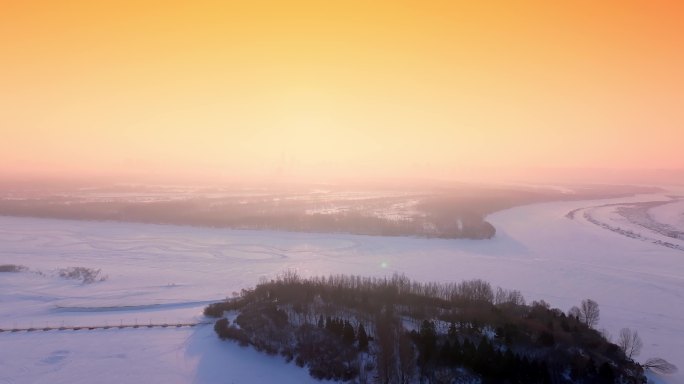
x,y
394,330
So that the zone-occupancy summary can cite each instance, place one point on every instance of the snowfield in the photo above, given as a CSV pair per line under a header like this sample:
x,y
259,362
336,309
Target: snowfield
x,y
671,214
138,356
167,274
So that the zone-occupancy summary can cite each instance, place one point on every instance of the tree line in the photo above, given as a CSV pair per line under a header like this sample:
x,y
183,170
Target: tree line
x,y
402,331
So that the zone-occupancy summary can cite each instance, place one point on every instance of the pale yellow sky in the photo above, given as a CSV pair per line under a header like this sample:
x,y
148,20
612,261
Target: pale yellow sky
x,y
318,89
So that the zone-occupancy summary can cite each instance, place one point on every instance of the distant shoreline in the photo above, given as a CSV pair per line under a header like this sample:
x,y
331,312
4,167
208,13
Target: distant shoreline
x,y
457,213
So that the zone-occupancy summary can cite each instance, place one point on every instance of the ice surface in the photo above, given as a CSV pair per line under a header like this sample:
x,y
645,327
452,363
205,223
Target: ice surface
x,y
160,273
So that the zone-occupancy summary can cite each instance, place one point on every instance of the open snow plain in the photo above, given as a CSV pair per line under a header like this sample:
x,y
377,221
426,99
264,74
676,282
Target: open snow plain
x,y
166,274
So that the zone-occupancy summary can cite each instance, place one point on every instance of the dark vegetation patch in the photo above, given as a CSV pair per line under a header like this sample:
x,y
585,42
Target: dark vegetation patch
x,y
12,268
393,330
85,275
454,212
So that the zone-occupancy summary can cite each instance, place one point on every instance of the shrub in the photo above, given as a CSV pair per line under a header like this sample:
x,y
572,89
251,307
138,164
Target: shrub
x,y
86,275
12,268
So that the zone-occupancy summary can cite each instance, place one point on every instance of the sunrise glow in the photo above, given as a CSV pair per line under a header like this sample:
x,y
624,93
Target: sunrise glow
x,y
313,89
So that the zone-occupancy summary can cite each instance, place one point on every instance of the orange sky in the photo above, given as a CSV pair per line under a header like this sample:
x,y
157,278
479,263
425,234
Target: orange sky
x,y
314,89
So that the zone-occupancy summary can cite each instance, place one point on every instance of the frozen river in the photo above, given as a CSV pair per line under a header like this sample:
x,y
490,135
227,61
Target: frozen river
x,y
160,273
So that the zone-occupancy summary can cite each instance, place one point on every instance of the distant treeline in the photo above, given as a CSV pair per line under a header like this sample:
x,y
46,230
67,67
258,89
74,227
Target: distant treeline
x,y
400,331
207,213
447,213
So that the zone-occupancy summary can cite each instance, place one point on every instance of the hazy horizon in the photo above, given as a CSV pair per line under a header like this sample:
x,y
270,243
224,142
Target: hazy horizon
x,y
283,178
308,91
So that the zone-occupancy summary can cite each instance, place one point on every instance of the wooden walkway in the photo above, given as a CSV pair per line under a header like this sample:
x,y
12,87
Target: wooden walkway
x,y
94,327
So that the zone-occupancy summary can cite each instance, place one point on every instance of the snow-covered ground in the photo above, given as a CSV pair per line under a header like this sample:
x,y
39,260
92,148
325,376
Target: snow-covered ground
x,y
671,214
163,274
138,356
652,220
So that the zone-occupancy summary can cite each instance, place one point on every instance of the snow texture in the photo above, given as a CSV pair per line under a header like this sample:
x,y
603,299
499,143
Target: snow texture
x,y
167,274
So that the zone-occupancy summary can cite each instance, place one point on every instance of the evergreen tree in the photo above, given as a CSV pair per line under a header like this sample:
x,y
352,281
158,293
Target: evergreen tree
x,y
606,374
348,333
428,334
484,356
363,338
468,352
445,353
453,332
428,341
455,358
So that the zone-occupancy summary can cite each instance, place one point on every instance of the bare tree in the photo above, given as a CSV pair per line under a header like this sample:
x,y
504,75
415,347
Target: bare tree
x,y
503,297
475,290
606,335
660,365
574,312
589,313
630,342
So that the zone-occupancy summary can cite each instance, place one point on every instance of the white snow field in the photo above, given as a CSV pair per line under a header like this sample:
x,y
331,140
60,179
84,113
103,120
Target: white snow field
x,y
671,214
166,274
